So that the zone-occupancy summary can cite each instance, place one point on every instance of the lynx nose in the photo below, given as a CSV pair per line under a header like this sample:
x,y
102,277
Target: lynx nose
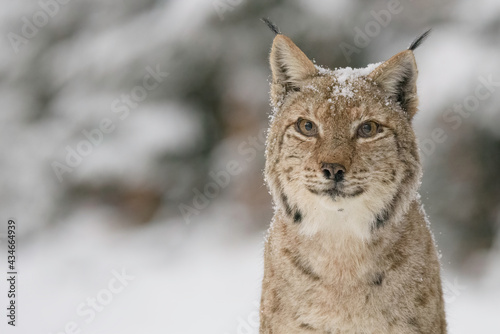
x,y
333,171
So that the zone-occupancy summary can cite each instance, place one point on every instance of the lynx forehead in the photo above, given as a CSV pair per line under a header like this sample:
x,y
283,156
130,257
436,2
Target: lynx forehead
x,y
349,234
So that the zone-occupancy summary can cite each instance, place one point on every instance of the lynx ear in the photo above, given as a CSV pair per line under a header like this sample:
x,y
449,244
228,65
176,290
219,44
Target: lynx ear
x,y
289,65
398,78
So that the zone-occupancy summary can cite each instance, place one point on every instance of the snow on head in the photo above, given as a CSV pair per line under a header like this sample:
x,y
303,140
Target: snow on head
x,y
346,77
351,74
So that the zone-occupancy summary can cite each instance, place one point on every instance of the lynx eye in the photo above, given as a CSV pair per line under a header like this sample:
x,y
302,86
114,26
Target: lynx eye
x,y
306,127
368,129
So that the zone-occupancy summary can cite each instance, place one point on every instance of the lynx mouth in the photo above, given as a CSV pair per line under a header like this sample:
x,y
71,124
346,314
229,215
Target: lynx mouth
x,y
335,192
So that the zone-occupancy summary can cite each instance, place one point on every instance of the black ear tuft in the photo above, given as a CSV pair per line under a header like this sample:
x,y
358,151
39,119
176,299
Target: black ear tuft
x,y
419,40
274,28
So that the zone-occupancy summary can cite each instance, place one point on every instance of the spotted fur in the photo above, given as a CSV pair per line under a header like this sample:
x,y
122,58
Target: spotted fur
x,y
354,255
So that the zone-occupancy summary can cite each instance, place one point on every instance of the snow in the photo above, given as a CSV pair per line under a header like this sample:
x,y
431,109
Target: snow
x,y
203,277
347,74
182,273
345,79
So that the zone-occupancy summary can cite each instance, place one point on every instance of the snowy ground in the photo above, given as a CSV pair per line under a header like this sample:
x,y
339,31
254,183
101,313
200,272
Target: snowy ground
x,y
181,279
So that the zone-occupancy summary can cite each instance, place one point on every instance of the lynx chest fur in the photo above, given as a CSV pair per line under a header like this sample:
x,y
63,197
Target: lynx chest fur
x,y
349,249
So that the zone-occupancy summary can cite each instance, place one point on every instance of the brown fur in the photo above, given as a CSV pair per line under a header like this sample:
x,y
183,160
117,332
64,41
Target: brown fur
x,y
360,259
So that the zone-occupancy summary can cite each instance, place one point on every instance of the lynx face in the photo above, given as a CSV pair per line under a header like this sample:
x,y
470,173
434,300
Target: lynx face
x,y
341,152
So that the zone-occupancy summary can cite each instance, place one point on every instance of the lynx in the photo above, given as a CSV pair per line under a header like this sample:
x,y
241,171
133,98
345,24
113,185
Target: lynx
x,y
349,248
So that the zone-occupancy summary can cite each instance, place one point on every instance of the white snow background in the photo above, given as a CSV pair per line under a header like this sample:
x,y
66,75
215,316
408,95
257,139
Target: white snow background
x,y
201,277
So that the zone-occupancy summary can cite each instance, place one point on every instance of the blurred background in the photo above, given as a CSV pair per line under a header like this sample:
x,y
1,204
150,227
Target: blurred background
x,y
132,152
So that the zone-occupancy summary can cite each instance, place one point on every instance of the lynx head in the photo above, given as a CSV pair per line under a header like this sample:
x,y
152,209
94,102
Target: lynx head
x,y
341,152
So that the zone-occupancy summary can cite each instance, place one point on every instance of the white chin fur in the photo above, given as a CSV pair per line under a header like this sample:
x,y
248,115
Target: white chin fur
x,y
342,217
